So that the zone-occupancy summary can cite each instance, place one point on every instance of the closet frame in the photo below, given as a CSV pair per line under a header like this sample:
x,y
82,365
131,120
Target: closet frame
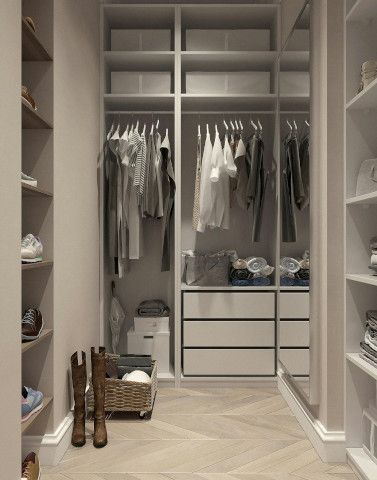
x,y
181,105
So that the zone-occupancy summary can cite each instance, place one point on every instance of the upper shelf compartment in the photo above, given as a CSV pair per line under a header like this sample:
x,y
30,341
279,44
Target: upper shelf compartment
x,y
32,48
228,60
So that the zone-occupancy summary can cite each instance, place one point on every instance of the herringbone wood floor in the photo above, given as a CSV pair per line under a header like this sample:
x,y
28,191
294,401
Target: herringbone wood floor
x,y
203,434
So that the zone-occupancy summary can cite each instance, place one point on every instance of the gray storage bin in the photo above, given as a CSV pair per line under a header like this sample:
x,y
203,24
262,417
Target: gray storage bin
x,y
228,82
145,40
134,361
228,40
140,82
207,269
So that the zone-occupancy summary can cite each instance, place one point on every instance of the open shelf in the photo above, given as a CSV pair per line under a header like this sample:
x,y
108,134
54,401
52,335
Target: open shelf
x,y
367,199
46,333
26,425
130,102
365,366
227,60
293,288
30,191
296,61
32,48
225,102
31,119
362,463
362,11
37,265
139,61
194,288
362,278
299,102
367,98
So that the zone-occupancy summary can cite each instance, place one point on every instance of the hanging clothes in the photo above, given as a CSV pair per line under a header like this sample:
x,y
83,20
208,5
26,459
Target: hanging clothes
x,y
219,187
289,227
168,192
304,164
158,161
196,207
205,203
242,176
293,157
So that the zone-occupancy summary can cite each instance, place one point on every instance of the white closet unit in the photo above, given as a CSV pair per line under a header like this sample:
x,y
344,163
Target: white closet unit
x,y
360,215
190,64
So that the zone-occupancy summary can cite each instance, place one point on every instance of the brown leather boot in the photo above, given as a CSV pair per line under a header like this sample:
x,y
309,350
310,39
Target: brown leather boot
x,y
98,379
79,385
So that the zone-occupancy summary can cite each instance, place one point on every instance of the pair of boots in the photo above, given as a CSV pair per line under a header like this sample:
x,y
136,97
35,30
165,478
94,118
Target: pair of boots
x,y
79,386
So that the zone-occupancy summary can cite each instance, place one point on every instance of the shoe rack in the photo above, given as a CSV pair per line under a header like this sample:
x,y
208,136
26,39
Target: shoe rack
x,y
37,202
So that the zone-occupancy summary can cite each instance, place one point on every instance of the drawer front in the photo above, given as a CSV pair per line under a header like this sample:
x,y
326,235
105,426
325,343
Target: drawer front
x,y
294,305
228,333
224,362
228,305
295,360
294,333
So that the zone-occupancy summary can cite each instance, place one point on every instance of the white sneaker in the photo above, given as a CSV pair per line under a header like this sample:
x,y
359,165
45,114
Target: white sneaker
x,y
31,249
28,180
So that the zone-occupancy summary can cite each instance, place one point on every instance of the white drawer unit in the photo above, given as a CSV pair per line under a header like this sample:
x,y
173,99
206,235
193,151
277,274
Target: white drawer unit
x,y
228,333
156,344
239,305
295,360
294,305
228,362
294,333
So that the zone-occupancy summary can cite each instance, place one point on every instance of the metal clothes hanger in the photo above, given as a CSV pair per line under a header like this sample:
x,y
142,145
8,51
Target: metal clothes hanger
x,y
260,126
253,125
289,125
307,123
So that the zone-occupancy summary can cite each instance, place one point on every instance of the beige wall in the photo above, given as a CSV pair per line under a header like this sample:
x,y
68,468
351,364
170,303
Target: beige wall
x,y
290,10
10,233
76,231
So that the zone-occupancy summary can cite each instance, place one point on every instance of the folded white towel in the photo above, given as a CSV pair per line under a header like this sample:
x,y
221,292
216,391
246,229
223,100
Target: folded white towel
x,y
256,264
290,264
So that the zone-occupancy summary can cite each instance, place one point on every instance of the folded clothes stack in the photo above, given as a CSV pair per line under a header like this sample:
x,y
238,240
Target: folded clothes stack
x,y
373,257
295,272
369,345
250,272
152,308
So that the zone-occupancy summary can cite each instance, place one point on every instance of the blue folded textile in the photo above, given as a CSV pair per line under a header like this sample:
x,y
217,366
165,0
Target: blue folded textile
x,y
287,281
252,282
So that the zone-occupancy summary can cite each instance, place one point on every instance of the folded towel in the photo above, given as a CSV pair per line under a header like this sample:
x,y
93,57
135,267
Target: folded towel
x,y
152,308
373,259
365,348
240,264
368,358
371,316
239,274
287,281
299,282
290,264
372,342
256,264
304,263
303,274
252,282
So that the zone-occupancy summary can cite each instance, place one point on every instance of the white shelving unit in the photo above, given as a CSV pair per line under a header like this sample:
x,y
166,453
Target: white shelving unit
x,y
361,217
180,112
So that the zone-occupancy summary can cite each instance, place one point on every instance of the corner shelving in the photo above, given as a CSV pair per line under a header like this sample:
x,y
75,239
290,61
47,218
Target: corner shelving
x,y
32,48
31,119
46,333
367,98
31,191
26,425
237,60
362,278
37,265
367,199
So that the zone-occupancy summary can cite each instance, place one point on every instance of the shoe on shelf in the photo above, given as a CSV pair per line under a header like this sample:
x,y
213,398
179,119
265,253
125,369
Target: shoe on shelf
x,y
30,467
32,325
31,249
28,180
31,402
30,22
29,99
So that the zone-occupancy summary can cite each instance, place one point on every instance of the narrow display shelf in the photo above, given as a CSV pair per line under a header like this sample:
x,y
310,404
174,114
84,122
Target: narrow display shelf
x,y
46,333
366,278
32,48
367,199
37,265
130,102
294,102
139,61
293,288
367,98
362,463
226,102
362,364
26,425
195,288
30,191
362,11
295,61
31,119
228,60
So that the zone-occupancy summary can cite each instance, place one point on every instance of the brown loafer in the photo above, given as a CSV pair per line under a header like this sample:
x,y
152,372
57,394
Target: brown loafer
x,y
30,22
26,96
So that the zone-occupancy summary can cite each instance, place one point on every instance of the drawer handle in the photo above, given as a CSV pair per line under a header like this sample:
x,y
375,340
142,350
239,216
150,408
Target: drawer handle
x,y
148,336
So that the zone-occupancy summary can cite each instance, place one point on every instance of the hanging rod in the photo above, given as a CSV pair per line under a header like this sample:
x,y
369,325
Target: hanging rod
x,y
140,112
230,112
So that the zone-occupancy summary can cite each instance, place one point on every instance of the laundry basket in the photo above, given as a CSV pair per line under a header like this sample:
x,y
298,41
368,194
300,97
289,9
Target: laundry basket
x,y
121,396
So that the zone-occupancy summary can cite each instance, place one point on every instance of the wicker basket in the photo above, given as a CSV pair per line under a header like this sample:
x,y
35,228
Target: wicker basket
x,y
121,396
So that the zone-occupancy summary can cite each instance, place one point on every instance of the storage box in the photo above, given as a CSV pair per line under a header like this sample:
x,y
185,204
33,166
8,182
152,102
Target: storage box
x,y
156,344
227,82
231,40
151,324
140,82
293,83
134,40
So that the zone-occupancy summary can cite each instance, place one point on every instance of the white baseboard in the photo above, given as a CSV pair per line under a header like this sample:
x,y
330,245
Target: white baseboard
x,y
330,446
50,447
